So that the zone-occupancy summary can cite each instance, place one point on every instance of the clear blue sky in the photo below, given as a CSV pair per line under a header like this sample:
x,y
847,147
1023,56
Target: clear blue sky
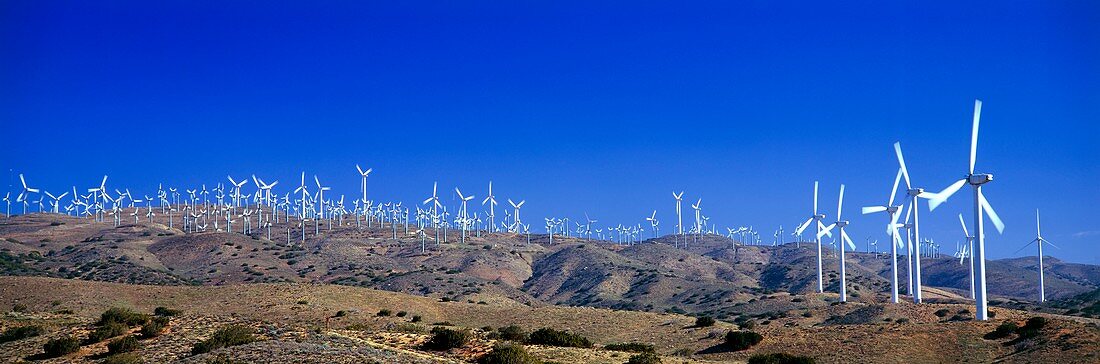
x,y
573,107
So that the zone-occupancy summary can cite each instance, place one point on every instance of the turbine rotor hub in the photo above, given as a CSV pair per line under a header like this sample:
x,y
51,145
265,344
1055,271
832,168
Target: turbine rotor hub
x,y
979,178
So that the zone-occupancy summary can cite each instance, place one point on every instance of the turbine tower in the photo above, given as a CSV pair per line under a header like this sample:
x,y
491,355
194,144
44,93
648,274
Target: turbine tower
x,y
1039,241
363,186
914,257
492,201
968,251
891,230
815,218
981,207
840,224
679,216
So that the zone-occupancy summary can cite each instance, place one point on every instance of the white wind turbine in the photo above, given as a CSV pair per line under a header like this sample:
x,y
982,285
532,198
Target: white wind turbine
x,y
434,200
56,199
914,193
840,224
7,201
815,219
679,215
321,195
653,222
516,206
698,220
364,174
492,201
26,191
1039,241
981,207
891,230
236,190
968,252
305,195
462,212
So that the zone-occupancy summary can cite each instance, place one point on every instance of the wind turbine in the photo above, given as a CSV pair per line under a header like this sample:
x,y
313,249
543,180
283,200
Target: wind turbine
x,y
26,191
698,221
981,207
321,195
653,222
914,193
816,220
305,195
492,201
891,230
1039,241
968,251
840,224
434,200
462,212
237,190
364,174
56,200
679,216
516,206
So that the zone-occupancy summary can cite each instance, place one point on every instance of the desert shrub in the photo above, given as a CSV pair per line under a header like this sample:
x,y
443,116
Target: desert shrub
x,y
340,313
165,311
942,312
21,332
402,313
19,307
512,333
1031,327
741,340
682,352
780,358
704,321
385,312
124,358
508,354
222,359
445,339
123,344
107,331
60,346
631,347
551,337
902,320
123,316
1003,330
644,358
416,318
154,327
230,335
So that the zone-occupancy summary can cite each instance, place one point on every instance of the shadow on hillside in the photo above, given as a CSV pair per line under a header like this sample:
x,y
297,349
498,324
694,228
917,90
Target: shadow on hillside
x,y
717,348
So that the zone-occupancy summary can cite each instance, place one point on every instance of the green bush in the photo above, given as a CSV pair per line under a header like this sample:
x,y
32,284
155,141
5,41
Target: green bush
x,y
21,332
1003,330
123,316
107,331
741,340
124,358
942,312
165,311
512,333
780,358
551,337
1031,327
154,327
123,344
230,335
60,346
631,347
416,318
644,358
385,312
446,339
704,321
508,354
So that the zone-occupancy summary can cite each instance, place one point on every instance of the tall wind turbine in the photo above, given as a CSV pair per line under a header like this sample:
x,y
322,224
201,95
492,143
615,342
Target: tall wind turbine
x,y
891,230
816,220
26,191
914,200
364,174
516,206
840,224
1039,241
462,212
981,207
492,201
305,194
679,216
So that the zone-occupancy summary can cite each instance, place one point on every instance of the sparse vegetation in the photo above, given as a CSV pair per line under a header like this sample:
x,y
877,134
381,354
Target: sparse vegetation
x,y
21,332
107,331
123,316
1031,328
1005,329
60,346
512,333
741,340
165,311
445,339
704,321
508,354
385,312
644,358
631,347
551,337
154,327
231,335
780,358
124,358
123,344
942,312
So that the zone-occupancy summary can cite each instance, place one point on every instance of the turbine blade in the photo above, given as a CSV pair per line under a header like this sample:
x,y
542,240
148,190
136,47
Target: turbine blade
x,y
963,223
974,134
815,197
942,196
901,162
873,209
840,203
894,191
992,214
844,235
1025,246
826,231
804,225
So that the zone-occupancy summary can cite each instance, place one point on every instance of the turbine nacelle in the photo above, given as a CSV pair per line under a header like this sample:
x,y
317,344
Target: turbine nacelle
x,y
979,178
915,191
842,223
